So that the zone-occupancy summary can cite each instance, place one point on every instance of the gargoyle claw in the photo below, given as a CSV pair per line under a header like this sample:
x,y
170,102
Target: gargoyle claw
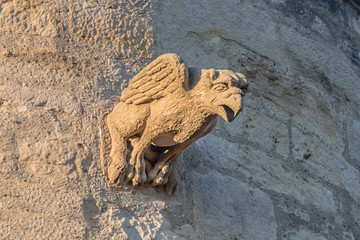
x,y
130,173
171,186
116,173
139,173
161,177
158,168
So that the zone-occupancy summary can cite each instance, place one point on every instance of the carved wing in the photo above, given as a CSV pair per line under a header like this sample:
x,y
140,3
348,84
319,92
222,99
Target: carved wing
x,y
165,75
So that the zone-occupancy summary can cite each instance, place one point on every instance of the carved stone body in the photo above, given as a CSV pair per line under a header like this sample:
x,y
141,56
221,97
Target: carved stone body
x,y
158,117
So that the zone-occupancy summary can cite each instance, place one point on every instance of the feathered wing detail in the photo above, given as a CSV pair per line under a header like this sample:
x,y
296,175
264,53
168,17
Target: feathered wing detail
x,y
165,75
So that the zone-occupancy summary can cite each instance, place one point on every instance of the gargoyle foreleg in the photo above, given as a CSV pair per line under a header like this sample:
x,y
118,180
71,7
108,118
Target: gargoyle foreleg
x,y
118,166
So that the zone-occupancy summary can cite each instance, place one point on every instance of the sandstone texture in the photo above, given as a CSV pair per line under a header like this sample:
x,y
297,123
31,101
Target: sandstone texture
x,y
286,168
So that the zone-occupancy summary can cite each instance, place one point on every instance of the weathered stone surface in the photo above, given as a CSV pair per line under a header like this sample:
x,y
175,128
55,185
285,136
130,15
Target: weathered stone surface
x,y
355,208
259,167
61,61
353,136
324,163
264,131
149,226
302,234
250,208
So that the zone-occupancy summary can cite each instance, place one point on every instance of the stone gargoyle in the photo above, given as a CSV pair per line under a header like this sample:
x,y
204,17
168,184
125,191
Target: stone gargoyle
x,y
160,115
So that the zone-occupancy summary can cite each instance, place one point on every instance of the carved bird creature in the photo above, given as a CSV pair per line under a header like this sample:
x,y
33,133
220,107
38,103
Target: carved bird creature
x,y
159,116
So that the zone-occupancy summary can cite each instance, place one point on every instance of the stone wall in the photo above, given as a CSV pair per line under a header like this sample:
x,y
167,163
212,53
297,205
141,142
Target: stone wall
x,y
286,168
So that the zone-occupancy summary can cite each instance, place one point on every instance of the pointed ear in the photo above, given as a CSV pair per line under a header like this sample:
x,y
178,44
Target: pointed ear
x,y
207,76
208,73
205,73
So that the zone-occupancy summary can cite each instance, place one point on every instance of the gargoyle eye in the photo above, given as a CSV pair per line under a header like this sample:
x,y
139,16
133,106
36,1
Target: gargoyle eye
x,y
220,87
217,74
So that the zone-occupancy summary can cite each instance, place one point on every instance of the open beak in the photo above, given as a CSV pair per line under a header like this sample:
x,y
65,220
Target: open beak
x,y
232,106
230,111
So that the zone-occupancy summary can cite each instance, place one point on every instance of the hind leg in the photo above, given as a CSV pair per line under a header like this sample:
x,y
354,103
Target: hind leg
x,y
124,122
159,173
137,168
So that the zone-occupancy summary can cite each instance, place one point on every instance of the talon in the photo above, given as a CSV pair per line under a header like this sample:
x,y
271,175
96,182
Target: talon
x,y
171,185
130,173
165,169
158,181
162,177
166,179
136,181
170,188
113,175
143,171
116,173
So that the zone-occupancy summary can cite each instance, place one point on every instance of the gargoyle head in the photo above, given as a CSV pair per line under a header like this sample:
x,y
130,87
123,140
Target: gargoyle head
x,y
222,91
